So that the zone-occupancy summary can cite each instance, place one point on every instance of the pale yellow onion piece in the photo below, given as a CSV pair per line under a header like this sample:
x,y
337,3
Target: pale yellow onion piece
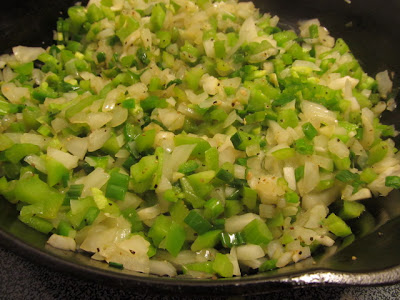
x,y
68,160
62,242
119,116
97,179
237,223
15,94
97,138
27,54
162,268
35,139
385,84
77,146
249,251
97,120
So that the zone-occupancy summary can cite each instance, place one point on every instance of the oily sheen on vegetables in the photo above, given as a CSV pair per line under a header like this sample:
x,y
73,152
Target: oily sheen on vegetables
x,y
192,138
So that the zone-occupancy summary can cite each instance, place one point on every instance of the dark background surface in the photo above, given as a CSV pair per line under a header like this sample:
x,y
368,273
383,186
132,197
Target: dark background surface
x,y
22,279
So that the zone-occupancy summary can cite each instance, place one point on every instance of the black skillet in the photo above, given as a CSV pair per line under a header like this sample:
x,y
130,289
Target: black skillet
x,y
372,29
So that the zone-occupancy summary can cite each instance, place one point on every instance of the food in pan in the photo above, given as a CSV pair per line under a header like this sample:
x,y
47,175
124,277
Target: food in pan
x,y
192,138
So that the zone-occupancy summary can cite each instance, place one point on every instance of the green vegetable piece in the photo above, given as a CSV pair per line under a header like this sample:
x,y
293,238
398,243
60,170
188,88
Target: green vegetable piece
x,y
325,184
337,226
192,77
201,144
292,197
341,46
159,229
213,208
241,140
392,181
157,17
341,163
56,172
170,196
211,157
65,229
206,267
257,232
18,151
188,167
299,173
229,240
77,15
5,142
175,239
313,30
288,118
284,36
232,208
152,102
189,53
91,215
351,210
116,265
190,195
283,153
258,101
74,192
111,146
179,211
268,265
45,200
225,176
24,69
207,240
143,56
145,140
304,147
286,239
142,173
131,215
197,222
368,175
222,265
81,208
94,13
79,106
276,221
127,26
309,130
200,182
347,176
30,116
249,197
377,153
165,38
37,223
219,49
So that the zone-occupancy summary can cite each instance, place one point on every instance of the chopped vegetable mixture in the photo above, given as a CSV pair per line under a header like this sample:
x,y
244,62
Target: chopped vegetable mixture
x,y
192,138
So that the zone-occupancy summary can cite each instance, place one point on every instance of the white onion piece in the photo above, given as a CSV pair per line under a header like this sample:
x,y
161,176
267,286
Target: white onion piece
x,y
97,138
77,146
15,94
249,252
68,160
385,84
95,179
27,54
62,242
162,268
237,223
